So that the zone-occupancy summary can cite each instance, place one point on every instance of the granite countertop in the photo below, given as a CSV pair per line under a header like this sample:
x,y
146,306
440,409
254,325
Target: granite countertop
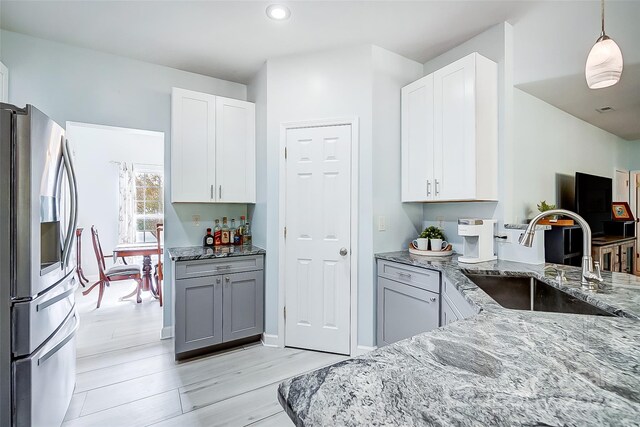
x,y
189,253
499,367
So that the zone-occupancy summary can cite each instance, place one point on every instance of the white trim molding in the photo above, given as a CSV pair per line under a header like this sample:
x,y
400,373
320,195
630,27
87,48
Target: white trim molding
x,y
355,151
166,333
269,340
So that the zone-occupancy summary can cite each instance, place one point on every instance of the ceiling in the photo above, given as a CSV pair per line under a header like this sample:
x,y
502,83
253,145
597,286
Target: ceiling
x,y
232,39
552,42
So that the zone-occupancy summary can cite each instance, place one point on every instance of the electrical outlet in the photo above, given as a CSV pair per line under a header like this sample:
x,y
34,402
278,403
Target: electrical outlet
x,y
440,220
196,220
382,223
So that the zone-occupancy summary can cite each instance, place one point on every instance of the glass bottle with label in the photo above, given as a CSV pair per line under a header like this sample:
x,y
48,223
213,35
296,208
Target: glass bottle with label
x,y
246,236
239,232
226,233
234,232
217,234
207,242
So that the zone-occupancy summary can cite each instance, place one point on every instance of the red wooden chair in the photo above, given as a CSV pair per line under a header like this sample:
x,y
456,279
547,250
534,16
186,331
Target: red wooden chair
x,y
114,273
158,275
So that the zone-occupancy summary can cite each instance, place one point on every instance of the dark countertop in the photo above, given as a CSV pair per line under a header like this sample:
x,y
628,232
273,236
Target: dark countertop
x,y
499,367
190,253
610,240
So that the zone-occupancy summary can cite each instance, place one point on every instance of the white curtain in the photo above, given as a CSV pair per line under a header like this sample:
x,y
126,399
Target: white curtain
x,y
126,223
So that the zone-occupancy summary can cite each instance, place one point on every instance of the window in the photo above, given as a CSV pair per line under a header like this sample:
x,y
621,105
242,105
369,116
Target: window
x,y
148,203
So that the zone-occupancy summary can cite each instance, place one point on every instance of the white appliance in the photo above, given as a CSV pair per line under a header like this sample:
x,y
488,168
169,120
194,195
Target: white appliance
x,y
38,320
478,240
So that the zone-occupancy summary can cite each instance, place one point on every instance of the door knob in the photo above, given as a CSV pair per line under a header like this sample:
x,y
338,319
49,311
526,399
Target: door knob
x,y
343,251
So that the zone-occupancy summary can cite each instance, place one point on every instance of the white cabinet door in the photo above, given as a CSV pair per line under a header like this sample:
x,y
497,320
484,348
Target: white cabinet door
x,y
4,83
193,146
235,165
454,128
417,140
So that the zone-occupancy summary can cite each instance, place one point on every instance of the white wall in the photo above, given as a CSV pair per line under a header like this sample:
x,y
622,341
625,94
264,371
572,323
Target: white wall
x,y
495,44
97,150
549,141
257,93
390,73
75,84
335,84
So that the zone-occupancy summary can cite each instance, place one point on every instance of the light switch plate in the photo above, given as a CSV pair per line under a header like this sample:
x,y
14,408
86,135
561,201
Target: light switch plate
x,y
382,223
196,220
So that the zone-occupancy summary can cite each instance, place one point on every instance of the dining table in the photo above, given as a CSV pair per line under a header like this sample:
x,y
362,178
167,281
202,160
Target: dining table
x,y
145,250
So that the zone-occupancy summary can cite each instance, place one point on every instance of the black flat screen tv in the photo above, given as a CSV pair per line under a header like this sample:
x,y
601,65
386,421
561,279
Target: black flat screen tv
x,y
593,200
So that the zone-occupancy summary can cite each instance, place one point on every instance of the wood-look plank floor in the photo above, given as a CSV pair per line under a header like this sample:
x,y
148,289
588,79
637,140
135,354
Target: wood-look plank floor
x,y
126,375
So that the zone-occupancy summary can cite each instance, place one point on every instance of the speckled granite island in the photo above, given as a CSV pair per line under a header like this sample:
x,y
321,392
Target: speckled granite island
x,y
190,253
498,367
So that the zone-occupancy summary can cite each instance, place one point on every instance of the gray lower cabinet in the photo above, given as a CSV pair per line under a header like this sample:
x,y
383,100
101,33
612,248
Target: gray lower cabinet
x,y
218,301
448,313
198,313
243,308
404,311
454,305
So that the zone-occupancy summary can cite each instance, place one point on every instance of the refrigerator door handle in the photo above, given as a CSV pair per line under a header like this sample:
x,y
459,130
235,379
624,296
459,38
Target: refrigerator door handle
x,y
73,221
62,342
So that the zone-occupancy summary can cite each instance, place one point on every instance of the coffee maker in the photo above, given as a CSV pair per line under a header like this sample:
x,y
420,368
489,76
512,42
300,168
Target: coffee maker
x,y
478,240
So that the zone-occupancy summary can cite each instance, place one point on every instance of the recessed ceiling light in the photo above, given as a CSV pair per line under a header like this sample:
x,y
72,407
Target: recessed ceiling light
x,y
278,12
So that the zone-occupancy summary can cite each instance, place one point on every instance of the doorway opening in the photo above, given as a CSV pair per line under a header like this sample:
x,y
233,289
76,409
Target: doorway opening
x,y
120,174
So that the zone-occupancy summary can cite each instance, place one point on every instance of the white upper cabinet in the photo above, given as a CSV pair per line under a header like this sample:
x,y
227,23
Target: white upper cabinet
x,y
417,140
212,148
454,134
236,148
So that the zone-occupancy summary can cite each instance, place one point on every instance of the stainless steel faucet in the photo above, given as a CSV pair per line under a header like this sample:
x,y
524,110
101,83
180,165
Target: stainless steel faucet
x,y
589,276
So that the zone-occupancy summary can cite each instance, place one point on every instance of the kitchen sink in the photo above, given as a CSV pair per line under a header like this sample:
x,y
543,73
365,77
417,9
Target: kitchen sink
x,y
528,293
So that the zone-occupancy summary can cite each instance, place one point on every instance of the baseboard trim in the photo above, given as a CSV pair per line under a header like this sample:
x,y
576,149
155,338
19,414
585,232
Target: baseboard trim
x,y
269,340
364,349
166,333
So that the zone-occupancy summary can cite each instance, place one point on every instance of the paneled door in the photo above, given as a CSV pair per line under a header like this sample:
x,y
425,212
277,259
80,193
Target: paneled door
x,y
318,238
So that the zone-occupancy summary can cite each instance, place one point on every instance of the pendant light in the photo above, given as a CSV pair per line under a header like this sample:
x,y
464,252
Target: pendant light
x,y
604,63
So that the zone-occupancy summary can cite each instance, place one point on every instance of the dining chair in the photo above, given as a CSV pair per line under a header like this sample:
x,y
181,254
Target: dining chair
x,y
114,273
158,275
81,277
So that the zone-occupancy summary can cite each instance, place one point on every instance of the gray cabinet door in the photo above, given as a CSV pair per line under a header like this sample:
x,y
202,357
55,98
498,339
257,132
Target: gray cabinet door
x,y
198,313
405,311
449,314
243,305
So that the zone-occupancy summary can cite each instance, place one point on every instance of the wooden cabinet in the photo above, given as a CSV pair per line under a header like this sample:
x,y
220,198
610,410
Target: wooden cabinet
x,y
408,301
212,148
242,305
450,133
217,301
198,313
615,256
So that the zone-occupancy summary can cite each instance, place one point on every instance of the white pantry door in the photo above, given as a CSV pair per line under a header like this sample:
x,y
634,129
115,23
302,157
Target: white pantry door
x,y
318,238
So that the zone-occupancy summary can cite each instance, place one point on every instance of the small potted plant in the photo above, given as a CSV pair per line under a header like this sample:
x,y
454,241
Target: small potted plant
x,y
432,233
543,206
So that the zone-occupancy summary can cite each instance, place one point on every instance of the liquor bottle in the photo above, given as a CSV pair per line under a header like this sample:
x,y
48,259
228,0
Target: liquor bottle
x,y
234,232
226,233
246,236
217,234
239,232
207,242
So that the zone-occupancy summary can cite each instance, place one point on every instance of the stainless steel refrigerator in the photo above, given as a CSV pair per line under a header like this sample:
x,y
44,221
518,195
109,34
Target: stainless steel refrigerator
x,y
38,319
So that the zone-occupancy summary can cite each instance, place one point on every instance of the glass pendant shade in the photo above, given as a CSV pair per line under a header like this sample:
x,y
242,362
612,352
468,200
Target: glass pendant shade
x,y
604,64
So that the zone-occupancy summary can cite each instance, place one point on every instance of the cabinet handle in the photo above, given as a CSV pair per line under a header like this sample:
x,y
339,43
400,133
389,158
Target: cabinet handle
x,y
218,280
407,275
223,267
432,299
436,186
428,188
227,279
212,192
220,192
